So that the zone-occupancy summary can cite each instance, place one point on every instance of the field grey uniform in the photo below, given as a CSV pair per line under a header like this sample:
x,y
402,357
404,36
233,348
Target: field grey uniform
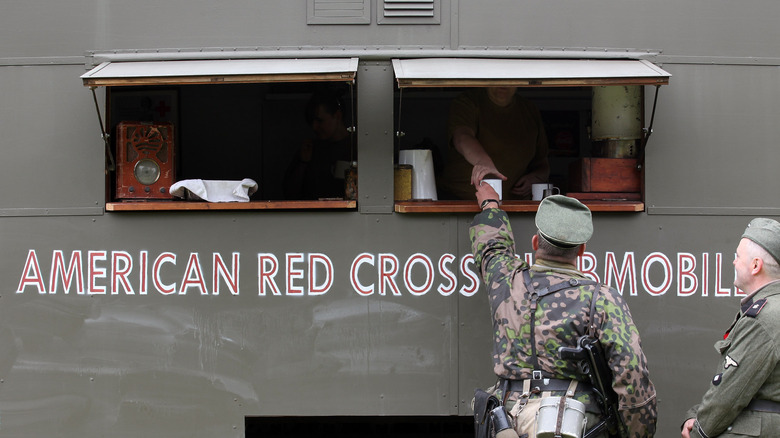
x,y
744,396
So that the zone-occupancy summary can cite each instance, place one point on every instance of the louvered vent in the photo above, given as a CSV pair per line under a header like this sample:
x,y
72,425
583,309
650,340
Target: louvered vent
x,y
408,8
409,12
338,12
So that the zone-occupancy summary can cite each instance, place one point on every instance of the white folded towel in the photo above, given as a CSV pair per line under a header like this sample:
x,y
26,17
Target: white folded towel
x,y
214,190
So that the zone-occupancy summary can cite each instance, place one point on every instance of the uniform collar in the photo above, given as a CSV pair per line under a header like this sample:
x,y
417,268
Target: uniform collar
x,y
771,288
549,265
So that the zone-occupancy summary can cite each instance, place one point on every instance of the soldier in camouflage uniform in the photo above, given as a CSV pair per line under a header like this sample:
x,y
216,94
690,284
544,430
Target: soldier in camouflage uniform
x,y
564,225
744,395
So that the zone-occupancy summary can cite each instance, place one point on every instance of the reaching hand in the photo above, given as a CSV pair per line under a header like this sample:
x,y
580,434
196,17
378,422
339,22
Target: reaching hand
x,y
485,191
482,170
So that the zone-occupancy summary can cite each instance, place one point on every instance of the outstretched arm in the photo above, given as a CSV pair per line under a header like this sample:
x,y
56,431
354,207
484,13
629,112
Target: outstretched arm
x,y
466,144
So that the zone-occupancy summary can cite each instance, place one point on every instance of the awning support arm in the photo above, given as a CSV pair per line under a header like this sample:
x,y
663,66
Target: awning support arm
x,y
648,131
352,128
399,133
103,134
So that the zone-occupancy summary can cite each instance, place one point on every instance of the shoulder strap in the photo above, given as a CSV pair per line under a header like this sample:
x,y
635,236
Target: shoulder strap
x,y
573,282
535,296
592,315
755,309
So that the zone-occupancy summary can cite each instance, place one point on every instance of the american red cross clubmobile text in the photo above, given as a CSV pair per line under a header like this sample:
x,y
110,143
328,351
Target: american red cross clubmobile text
x,y
102,272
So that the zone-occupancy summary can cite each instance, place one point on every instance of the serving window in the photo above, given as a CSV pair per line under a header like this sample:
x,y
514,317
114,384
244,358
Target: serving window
x,y
226,134
592,112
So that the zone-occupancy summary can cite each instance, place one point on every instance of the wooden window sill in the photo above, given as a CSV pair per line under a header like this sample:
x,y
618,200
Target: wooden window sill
x,y
252,205
509,206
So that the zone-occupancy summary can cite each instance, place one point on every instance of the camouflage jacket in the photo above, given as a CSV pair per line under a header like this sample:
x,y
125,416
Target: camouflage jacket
x,y
560,319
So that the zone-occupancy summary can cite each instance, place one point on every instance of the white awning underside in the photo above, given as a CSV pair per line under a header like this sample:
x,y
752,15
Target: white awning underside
x,y
484,72
221,71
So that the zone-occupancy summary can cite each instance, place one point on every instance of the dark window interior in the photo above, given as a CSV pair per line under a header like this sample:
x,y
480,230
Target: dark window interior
x,y
327,427
421,114
227,131
236,131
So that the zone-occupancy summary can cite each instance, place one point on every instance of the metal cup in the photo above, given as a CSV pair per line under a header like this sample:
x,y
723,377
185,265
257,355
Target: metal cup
x,y
551,191
496,184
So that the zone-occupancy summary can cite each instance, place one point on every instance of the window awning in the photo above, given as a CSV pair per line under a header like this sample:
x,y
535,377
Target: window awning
x,y
485,72
221,71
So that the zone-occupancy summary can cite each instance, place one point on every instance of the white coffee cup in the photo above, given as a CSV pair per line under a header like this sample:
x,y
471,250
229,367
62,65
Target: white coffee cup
x,y
538,191
496,184
550,192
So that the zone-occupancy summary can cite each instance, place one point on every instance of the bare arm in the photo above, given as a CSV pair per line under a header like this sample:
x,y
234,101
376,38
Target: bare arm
x,y
466,144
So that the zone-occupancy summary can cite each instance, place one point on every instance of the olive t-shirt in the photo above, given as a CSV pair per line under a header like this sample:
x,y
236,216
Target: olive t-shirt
x,y
513,136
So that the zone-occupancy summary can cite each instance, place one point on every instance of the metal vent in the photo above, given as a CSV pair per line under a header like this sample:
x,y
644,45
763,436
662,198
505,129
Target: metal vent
x,y
409,12
408,8
338,12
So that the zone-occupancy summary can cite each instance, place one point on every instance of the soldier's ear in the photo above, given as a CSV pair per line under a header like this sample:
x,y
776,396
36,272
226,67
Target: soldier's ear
x,y
581,251
535,242
757,265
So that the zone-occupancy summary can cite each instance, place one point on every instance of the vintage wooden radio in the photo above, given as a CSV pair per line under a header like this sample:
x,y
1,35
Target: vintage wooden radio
x,y
145,160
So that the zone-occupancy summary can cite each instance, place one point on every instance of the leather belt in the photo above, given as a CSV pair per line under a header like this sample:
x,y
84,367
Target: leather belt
x,y
763,406
547,385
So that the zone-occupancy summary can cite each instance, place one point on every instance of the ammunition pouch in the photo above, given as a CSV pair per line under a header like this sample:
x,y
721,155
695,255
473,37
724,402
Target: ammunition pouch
x,y
490,417
484,403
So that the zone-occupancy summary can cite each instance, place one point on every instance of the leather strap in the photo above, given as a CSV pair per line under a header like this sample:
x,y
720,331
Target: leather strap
x,y
763,406
545,385
535,296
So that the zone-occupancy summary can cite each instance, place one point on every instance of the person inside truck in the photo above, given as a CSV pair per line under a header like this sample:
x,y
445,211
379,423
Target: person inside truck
x,y
317,169
494,133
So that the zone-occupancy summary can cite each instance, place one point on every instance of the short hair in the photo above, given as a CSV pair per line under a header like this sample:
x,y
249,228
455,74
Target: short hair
x,y
328,99
771,266
547,248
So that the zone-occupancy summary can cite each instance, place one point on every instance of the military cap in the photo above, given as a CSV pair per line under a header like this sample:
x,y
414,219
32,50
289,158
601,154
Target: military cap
x,y
766,233
563,221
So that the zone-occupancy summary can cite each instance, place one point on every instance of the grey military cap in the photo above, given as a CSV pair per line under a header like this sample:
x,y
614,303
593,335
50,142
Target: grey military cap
x,y
766,233
563,221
